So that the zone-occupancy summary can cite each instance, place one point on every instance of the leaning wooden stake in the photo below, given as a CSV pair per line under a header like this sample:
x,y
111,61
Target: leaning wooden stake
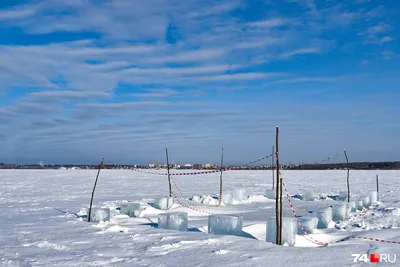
x,y
272,167
94,188
278,192
377,185
348,172
220,178
169,176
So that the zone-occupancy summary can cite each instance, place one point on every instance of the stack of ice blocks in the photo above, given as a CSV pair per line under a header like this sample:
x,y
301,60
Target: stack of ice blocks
x,y
339,211
131,209
163,203
309,224
324,216
99,215
225,224
289,230
173,221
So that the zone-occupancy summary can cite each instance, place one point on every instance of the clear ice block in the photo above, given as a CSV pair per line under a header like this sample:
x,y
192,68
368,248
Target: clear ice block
x,y
225,224
131,209
163,203
173,221
239,194
309,224
289,230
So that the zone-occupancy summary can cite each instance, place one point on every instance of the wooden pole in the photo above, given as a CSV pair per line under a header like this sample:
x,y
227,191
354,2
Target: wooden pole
x,y
280,200
377,185
277,191
348,172
220,178
273,168
94,188
169,176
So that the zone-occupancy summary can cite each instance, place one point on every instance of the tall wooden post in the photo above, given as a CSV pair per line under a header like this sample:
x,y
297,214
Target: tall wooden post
x,y
273,168
220,178
377,185
278,192
348,173
280,196
169,176
94,188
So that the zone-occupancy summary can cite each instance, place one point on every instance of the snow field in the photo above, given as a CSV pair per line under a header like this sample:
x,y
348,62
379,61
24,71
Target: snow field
x,y
39,228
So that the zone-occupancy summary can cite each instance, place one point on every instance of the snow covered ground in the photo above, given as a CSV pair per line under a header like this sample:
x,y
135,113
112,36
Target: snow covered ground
x,y
38,226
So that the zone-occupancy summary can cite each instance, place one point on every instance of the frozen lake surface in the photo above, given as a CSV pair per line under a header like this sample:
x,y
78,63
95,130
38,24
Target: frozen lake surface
x,y
38,226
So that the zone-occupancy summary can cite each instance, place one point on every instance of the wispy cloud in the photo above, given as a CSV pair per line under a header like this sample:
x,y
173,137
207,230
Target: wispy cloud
x,y
301,51
270,23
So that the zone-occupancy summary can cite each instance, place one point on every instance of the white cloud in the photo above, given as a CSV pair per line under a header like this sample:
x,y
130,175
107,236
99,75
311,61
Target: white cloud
x,y
200,55
182,71
386,39
66,94
301,51
156,93
270,23
239,76
16,14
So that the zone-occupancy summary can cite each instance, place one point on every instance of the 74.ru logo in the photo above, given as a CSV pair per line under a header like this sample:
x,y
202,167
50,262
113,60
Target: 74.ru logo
x,y
391,258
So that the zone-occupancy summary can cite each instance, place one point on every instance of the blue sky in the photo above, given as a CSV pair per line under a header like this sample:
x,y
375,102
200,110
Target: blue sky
x,y
81,80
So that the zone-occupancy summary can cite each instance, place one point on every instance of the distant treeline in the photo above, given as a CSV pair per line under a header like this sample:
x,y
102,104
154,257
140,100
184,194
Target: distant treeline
x,y
394,165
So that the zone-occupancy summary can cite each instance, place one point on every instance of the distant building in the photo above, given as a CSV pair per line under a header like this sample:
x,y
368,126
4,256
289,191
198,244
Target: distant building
x,y
197,166
206,166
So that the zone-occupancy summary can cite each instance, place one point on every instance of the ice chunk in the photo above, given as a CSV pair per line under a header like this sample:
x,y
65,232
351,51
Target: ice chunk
x,y
173,221
360,204
131,209
196,199
309,224
324,217
342,195
353,206
339,212
227,198
208,200
308,195
163,203
99,215
225,224
289,230
239,194
374,196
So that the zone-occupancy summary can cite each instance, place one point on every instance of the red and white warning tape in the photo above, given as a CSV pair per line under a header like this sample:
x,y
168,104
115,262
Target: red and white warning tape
x,y
362,213
186,206
377,240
